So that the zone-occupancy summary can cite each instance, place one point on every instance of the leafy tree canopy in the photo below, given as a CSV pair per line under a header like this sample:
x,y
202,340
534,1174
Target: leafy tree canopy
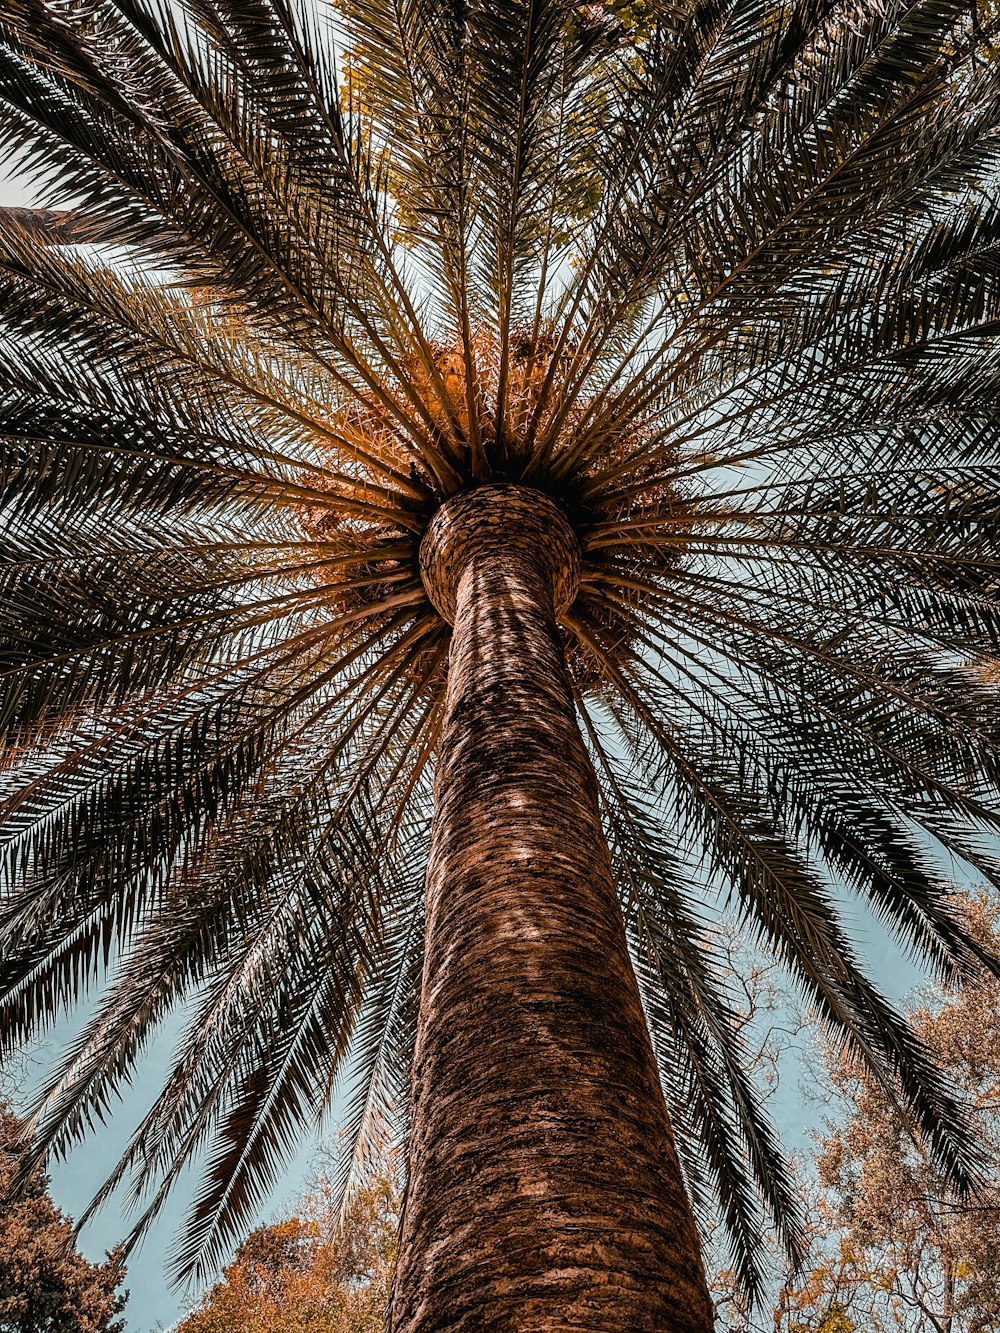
x,y
893,1248
317,1273
46,1285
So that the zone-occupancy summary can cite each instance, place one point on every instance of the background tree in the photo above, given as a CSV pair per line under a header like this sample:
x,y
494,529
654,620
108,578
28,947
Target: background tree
x,y
480,503
318,1273
892,1248
46,1285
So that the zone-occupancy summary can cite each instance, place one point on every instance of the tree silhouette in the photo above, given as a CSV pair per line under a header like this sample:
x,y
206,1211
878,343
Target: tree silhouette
x,y
587,409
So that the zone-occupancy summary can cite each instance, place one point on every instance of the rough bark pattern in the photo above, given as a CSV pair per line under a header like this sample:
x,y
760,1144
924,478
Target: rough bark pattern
x,y
513,521
544,1190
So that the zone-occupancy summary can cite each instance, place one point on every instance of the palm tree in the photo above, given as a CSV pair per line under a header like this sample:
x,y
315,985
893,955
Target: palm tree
x,y
484,485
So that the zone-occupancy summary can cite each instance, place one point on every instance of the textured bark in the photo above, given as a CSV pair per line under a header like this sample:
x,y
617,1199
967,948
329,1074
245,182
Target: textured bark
x,y
544,1190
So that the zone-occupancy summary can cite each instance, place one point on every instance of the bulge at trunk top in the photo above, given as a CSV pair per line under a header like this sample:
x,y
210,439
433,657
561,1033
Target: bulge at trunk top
x,y
504,518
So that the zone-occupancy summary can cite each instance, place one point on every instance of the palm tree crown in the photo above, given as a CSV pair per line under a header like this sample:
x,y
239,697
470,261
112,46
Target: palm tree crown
x,y
719,279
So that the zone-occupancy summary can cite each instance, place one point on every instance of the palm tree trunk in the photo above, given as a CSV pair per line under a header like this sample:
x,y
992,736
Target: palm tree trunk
x,y
544,1190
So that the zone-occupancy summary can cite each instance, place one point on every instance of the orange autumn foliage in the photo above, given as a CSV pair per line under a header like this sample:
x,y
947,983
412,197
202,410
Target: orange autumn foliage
x,y
306,1274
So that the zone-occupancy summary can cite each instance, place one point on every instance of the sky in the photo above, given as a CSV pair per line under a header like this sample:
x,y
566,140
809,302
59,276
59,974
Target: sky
x,y
153,1305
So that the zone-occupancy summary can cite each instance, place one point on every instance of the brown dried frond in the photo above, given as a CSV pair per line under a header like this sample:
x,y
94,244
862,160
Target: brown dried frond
x,y
368,557
633,537
443,390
